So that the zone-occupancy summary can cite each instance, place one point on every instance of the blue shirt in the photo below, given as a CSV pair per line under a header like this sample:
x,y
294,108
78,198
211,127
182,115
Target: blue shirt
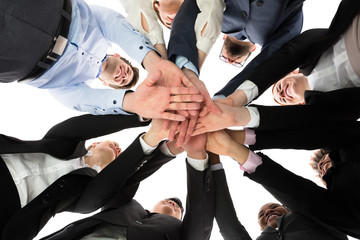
x,y
92,31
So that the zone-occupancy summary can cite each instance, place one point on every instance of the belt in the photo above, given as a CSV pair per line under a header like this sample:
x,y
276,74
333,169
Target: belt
x,y
58,45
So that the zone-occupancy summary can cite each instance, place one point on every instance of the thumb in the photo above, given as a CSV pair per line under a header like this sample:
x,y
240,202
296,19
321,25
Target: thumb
x,y
152,78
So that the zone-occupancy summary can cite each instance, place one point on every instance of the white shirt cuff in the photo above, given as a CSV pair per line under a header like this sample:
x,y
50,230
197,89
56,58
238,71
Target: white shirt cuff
x,y
255,117
198,164
250,89
145,147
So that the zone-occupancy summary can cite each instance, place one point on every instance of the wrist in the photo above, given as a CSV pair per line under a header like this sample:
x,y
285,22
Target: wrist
x,y
239,152
129,102
197,155
239,97
150,60
242,116
151,138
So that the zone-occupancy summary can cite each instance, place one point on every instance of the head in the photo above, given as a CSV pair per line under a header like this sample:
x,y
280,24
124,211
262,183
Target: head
x,y
290,90
169,206
117,72
235,51
321,162
166,10
269,212
103,153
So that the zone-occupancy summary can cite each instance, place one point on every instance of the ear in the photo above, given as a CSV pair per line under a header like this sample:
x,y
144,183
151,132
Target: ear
x,y
296,71
225,36
116,55
93,145
253,47
156,5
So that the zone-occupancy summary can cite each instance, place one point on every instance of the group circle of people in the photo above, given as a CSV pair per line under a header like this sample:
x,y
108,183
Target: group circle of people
x,y
314,75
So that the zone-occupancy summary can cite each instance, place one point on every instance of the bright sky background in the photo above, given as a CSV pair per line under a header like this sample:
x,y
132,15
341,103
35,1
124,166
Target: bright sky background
x,y
27,113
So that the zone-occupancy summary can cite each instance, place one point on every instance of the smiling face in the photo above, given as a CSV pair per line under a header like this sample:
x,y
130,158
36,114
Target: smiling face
x,y
116,72
268,213
103,153
167,10
168,207
291,89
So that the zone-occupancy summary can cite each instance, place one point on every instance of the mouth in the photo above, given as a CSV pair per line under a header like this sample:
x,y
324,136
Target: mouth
x,y
271,215
118,73
287,92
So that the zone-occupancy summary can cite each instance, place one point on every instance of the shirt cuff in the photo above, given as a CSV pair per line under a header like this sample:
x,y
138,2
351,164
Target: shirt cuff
x,y
252,162
216,97
216,167
145,147
250,89
250,137
165,150
198,164
255,117
182,61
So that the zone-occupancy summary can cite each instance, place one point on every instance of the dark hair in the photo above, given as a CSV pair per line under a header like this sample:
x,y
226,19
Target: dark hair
x,y
315,159
235,50
135,79
158,14
179,203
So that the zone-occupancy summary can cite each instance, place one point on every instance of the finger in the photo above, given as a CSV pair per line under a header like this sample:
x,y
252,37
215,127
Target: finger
x,y
193,112
190,128
184,113
181,137
186,98
172,116
183,90
186,82
173,130
183,106
204,111
212,106
152,78
198,131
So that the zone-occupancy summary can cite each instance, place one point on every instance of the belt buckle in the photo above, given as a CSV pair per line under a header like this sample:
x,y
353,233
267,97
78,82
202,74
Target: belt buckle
x,y
58,49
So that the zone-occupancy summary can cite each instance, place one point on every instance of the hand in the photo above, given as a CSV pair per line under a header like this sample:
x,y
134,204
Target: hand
x,y
184,130
156,133
195,147
230,116
152,101
219,142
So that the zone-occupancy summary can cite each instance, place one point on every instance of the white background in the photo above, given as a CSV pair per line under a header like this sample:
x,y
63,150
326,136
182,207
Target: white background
x,y
27,113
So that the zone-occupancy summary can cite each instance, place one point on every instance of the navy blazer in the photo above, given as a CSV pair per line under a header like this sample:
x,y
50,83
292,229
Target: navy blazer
x,y
65,140
266,22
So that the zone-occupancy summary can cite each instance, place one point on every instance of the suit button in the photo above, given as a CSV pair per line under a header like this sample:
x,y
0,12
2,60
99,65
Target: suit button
x,y
244,14
259,3
61,184
45,199
138,222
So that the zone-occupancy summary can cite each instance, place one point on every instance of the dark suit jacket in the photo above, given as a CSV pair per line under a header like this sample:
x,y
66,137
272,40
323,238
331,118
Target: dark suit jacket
x,y
71,192
294,226
122,210
304,50
268,23
317,213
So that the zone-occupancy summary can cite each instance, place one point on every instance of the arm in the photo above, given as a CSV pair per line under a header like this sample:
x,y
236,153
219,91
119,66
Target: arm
x,y
225,213
284,33
142,16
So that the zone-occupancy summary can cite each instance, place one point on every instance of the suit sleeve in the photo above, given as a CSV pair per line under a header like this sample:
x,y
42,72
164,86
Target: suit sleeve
x,y
120,178
259,64
182,37
299,194
225,214
200,205
327,135
90,126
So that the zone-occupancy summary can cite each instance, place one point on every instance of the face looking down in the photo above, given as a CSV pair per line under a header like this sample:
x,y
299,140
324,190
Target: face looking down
x,y
116,72
268,213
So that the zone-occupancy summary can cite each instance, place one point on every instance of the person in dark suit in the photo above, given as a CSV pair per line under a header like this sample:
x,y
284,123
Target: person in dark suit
x,y
123,214
329,213
306,52
40,183
268,23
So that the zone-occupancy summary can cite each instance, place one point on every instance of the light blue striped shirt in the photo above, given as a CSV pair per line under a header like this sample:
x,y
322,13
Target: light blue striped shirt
x,y
92,31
